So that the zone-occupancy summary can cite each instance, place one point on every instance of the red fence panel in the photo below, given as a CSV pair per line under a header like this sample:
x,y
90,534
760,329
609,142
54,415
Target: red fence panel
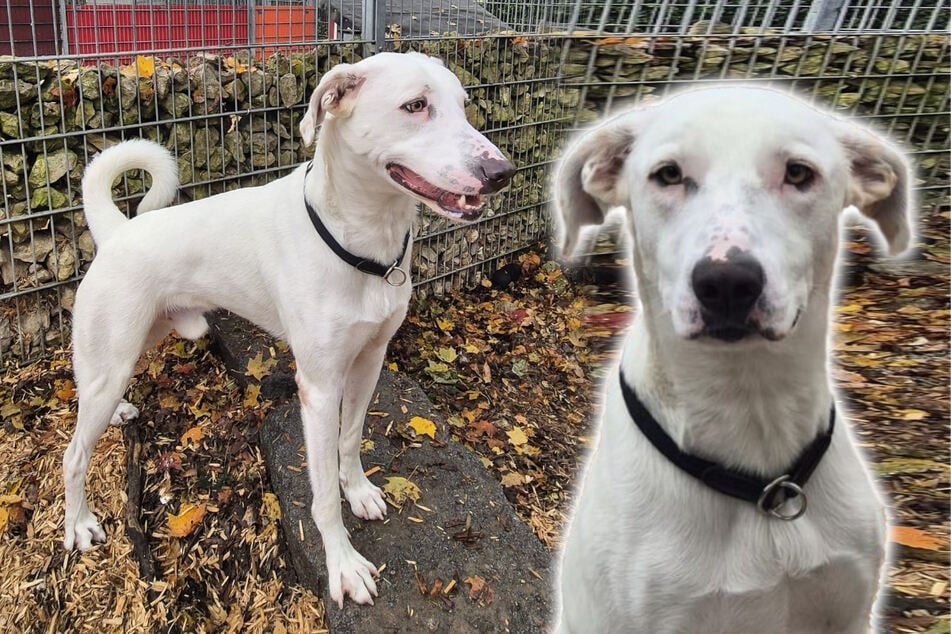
x,y
124,29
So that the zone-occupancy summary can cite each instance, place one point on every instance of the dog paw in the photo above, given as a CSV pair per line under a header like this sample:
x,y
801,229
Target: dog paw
x,y
366,500
125,412
84,533
351,575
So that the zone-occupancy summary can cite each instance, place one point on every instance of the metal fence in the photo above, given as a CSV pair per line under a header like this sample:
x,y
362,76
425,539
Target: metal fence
x,y
223,84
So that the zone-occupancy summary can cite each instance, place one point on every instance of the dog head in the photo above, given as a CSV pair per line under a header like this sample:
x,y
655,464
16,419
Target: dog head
x,y
733,196
405,115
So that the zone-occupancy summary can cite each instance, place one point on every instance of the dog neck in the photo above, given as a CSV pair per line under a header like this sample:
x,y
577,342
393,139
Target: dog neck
x,y
365,212
755,406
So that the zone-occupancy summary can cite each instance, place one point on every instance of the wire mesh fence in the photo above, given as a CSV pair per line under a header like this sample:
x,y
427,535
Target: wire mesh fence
x,y
224,84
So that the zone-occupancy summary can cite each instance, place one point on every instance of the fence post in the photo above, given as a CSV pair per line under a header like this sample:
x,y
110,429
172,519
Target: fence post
x,y
373,31
823,15
252,23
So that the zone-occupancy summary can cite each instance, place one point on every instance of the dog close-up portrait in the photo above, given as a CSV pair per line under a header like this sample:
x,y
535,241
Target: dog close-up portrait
x,y
724,493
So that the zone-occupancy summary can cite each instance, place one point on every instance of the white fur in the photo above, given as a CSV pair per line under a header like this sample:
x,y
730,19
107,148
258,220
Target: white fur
x,y
254,252
649,548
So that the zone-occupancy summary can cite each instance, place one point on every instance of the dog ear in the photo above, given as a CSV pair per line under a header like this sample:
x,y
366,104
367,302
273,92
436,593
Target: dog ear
x,y
334,95
588,177
880,184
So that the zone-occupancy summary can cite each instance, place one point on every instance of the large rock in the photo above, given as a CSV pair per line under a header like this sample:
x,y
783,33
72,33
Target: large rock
x,y
461,532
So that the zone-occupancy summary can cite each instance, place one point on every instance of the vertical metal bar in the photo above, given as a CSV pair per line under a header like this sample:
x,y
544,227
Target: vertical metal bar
x,y
373,31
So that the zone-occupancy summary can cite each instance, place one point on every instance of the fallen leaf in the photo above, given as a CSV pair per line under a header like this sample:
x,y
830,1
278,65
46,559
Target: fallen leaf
x,y
251,394
513,479
187,520
259,367
145,65
517,436
392,367
271,508
423,426
66,391
400,489
447,354
476,584
192,437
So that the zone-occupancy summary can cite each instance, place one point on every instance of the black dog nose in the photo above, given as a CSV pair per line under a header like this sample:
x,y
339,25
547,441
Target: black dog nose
x,y
728,289
494,174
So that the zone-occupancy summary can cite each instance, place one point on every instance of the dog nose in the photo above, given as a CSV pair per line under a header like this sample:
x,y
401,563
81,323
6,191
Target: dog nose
x,y
728,289
494,174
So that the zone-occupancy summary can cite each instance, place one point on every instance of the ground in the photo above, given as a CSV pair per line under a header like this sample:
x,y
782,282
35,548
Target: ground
x,y
513,366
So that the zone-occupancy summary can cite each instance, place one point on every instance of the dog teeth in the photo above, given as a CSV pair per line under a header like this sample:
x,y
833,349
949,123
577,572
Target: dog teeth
x,y
462,200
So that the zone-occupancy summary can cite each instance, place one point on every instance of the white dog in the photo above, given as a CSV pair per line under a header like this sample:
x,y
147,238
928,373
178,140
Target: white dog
x,y
320,257
692,515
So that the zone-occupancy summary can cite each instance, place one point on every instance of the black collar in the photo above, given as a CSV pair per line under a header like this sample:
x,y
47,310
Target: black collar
x,y
392,273
768,495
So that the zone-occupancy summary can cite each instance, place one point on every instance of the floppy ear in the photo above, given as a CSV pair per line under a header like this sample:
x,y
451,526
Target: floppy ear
x,y
588,177
879,185
334,94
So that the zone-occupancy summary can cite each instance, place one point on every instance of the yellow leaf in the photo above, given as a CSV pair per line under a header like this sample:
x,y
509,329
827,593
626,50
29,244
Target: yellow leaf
x,y
423,426
66,391
251,395
392,367
913,414
445,325
913,538
517,436
366,445
193,437
271,508
4,516
259,367
145,66
513,479
187,520
400,489
447,354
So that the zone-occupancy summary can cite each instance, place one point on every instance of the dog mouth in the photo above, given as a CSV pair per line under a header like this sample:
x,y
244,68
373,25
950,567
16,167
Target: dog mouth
x,y
466,207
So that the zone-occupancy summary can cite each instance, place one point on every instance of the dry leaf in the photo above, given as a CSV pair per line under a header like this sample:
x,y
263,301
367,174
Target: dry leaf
x,y
192,437
513,479
476,584
423,426
187,520
251,394
400,489
145,66
259,367
271,508
517,436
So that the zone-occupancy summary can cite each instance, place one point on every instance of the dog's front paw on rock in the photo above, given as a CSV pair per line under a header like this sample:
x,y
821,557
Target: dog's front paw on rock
x,y
351,575
366,499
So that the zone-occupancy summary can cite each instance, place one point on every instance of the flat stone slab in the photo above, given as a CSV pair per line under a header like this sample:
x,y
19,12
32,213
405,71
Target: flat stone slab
x,y
462,532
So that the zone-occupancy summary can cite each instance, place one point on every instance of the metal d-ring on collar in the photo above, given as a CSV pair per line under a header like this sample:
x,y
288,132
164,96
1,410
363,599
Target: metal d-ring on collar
x,y
769,496
392,273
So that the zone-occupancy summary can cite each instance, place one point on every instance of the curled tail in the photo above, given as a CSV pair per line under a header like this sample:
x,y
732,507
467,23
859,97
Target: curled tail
x,y
102,214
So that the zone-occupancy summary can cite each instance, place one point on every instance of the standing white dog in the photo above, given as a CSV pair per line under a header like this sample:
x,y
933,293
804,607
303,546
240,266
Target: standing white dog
x,y
692,516
320,257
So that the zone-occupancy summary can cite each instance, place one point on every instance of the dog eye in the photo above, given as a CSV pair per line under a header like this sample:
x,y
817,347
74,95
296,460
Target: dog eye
x,y
668,175
798,174
414,106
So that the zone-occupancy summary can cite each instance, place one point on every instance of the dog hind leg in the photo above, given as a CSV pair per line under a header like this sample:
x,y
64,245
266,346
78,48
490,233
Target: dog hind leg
x,y
102,369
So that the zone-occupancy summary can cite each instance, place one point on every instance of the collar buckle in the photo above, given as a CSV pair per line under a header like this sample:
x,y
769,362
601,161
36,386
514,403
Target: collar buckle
x,y
395,276
776,494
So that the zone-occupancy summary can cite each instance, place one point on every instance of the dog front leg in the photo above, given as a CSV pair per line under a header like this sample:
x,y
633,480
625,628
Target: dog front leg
x,y
348,572
366,499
